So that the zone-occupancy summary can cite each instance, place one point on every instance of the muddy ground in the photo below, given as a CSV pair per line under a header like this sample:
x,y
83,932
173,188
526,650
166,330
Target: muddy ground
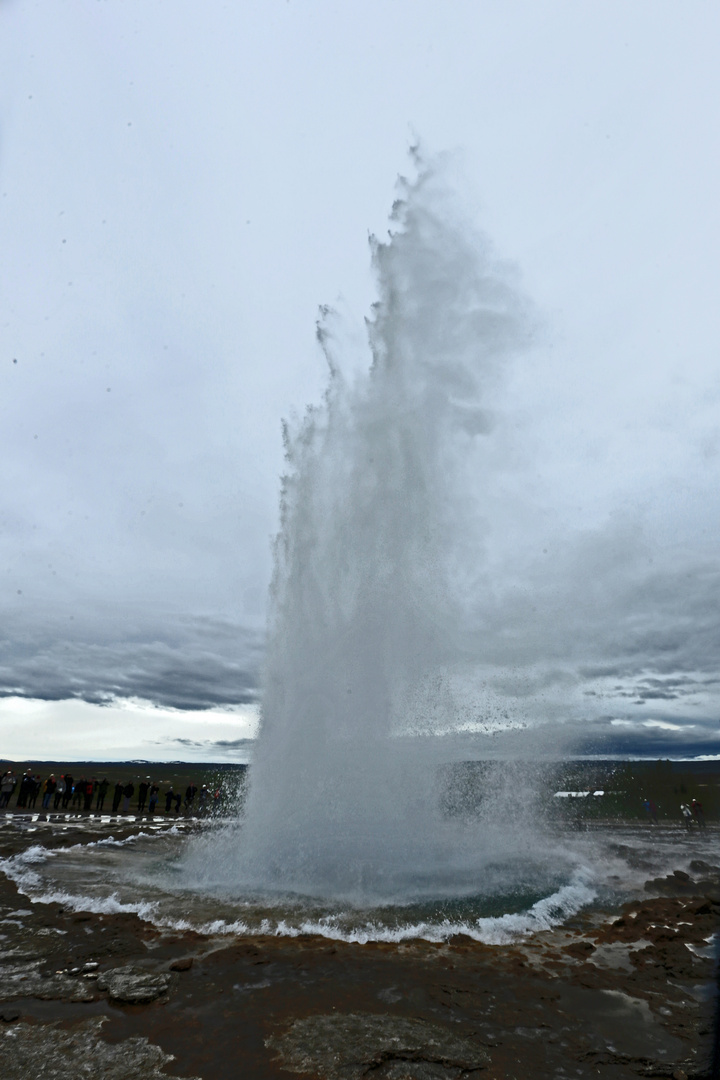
x,y
613,994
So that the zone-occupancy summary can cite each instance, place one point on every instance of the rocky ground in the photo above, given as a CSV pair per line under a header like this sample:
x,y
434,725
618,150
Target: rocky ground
x,y
616,994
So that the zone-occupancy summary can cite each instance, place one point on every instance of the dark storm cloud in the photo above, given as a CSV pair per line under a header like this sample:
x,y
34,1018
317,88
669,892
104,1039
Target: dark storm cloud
x,y
648,689
684,737
181,663
602,736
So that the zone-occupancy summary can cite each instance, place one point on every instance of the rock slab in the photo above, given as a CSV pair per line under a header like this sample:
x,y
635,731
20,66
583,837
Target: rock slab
x,y
57,1053
345,1046
133,986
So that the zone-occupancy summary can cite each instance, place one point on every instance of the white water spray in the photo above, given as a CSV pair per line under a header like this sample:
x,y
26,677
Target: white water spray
x,y
364,619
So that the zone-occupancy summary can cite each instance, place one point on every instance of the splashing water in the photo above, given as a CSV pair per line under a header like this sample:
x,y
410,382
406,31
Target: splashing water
x,y
344,802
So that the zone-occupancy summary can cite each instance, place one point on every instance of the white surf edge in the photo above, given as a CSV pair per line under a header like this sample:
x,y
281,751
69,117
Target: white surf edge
x,y
546,913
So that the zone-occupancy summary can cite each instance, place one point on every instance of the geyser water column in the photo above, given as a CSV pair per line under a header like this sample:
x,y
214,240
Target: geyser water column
x,y
362,612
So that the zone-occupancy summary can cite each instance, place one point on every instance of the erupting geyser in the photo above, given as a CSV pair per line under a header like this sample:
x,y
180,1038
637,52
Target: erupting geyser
x,y
364,609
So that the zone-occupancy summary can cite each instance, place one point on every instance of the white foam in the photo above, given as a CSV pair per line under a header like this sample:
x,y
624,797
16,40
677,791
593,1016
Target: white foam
x,y
500,930
35,854
544,914
30,884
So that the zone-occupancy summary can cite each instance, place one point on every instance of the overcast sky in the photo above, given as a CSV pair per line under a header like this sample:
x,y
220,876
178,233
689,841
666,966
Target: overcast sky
x,y
182,185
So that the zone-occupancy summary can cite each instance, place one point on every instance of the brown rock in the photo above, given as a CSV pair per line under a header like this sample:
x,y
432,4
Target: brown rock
x,y
183,964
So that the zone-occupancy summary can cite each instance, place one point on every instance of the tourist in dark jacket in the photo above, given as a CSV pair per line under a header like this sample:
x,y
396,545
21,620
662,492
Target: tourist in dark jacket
x,y
69,783
102,790
34,791
26,785
169,796
142,796
89,786
117,796
48,791
154,793
78,793
128,792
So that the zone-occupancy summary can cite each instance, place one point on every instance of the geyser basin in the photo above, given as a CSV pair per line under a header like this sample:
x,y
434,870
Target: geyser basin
x,y
146,874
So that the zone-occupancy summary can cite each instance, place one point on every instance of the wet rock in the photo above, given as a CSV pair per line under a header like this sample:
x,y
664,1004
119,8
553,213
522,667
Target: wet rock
x,y
681,884
346,1046
701,907
26,981
699,866
184,964
133,986
670,885
580,949
68,1053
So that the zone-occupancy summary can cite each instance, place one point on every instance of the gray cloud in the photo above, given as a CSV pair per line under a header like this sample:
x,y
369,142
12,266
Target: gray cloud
x,y
599,736
606,615
182,663
685,737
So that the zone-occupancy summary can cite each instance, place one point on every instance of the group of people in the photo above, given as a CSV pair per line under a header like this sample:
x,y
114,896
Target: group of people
x,y
691,814
65,793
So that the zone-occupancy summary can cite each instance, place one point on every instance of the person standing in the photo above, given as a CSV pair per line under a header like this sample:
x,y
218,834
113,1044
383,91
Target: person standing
x,y
169,796
88,794
59,792
128,792
7,786
698,813
117,796
178,800
101,793
68,790
190,793
48,791
34,791
142,796
154,793
78,793
25,788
